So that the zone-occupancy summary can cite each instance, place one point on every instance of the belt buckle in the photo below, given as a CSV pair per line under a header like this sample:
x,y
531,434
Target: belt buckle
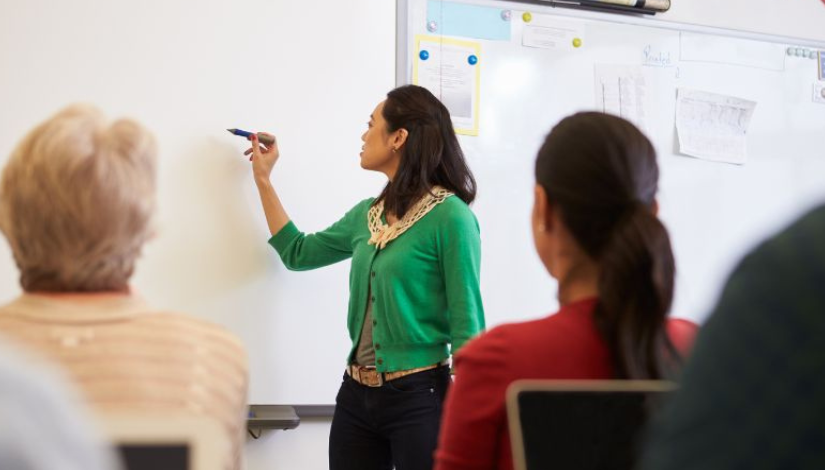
x,y
365,378
379,376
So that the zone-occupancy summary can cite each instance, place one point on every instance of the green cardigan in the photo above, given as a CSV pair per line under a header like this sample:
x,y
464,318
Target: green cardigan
x,y
424,285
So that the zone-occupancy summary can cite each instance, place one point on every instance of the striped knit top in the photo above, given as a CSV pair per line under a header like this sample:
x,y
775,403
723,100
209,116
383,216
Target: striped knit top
x,y
127,358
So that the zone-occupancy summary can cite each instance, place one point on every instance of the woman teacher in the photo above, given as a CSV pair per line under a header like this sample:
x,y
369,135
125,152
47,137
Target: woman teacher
x,y
414,280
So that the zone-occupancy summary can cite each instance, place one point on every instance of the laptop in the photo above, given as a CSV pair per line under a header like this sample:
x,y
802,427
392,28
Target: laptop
x,y
580,424
167,442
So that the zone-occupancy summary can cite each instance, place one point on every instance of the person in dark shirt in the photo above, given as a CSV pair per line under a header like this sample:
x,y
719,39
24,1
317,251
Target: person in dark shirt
x,y
753,393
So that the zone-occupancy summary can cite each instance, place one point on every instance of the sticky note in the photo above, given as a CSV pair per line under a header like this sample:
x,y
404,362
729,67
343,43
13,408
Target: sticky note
x,y
469,21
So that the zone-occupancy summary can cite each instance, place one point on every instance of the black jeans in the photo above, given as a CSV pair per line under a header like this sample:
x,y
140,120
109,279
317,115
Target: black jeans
x,y
392,426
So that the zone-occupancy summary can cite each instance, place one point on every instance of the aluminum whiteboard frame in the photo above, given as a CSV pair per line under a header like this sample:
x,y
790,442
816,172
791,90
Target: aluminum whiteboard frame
x,y
404,41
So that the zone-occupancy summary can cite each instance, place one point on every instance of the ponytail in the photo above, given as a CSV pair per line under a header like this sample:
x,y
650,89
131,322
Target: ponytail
x,y
602,173
635,295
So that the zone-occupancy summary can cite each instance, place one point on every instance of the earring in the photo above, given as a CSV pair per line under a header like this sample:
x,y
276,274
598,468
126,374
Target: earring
x,y
394,150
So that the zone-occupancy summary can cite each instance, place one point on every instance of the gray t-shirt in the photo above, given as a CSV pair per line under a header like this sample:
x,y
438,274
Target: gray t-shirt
x,y
365,354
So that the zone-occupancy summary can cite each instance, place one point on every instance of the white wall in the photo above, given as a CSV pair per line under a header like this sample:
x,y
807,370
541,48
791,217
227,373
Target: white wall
x,y
304,448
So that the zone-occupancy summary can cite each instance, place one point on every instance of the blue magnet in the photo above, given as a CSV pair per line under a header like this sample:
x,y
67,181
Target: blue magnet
x,y
424,55
472,59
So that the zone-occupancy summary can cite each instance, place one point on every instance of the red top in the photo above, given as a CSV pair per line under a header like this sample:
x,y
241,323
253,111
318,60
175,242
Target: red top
x,y
562,346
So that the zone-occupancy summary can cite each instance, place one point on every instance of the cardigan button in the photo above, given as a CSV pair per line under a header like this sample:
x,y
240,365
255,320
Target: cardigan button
x,y
380,361
374,322
373,298
373,274
377,346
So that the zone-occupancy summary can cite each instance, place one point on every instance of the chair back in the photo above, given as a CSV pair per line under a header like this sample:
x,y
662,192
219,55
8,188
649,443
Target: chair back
x,y
167,442
580,424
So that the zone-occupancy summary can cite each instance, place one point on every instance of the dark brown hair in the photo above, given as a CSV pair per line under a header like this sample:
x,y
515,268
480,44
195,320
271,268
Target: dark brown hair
x,y
430,156
601,173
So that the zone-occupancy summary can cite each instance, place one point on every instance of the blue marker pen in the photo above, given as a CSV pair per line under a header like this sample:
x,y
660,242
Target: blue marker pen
x,y
264,139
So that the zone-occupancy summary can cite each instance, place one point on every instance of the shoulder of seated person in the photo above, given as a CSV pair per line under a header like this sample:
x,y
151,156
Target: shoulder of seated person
x,y
185,320
498,338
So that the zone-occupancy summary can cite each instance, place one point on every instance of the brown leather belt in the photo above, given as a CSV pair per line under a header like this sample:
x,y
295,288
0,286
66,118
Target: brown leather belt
x,y
370,377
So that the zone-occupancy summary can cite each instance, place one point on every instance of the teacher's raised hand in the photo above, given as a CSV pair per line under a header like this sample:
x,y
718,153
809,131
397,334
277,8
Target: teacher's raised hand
x,y
263,157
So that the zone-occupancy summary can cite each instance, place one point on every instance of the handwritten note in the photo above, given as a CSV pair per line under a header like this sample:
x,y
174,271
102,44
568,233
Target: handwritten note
x,y
654,57
713,127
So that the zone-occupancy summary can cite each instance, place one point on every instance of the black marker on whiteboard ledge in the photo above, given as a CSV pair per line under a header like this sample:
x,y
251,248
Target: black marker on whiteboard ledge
x,y
262,138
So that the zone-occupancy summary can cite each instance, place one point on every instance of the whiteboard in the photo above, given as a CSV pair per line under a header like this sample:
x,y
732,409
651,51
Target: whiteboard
x,y
715,212
311,71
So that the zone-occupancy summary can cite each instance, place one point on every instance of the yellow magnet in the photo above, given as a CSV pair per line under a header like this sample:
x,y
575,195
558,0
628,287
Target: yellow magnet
x,y
527,16
577,42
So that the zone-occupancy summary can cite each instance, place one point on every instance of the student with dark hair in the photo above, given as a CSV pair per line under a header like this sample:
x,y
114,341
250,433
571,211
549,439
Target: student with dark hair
x,y
414,280
596,232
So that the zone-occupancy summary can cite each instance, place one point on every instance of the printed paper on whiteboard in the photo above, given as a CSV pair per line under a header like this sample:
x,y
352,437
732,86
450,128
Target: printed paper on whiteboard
x,y
450,69
621,90
550,32
548,38
712,126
